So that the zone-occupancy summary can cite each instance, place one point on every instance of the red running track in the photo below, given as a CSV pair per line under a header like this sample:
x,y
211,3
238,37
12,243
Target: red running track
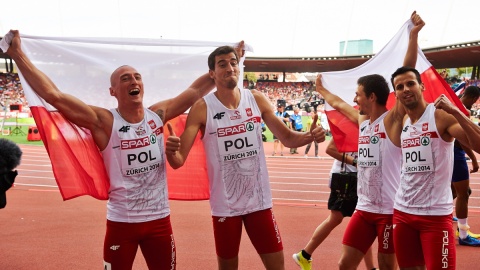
x,y
41,231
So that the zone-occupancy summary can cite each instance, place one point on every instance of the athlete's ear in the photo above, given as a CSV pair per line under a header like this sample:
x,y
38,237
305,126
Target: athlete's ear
x,y
112,91
211,73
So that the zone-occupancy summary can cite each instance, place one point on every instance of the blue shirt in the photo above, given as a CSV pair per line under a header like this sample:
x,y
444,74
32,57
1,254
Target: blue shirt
x,y
296,119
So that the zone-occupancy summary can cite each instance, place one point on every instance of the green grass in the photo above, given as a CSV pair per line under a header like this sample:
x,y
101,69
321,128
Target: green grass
x,y
269,134
16,136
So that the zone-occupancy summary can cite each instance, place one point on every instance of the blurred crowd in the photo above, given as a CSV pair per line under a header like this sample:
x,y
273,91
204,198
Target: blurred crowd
x,y
291,93
11,92
458,85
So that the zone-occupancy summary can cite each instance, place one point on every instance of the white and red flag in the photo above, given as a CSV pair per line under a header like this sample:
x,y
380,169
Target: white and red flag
x,y
385,62
82,68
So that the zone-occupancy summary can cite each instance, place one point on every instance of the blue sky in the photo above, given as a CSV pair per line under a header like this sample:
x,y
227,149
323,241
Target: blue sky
x,y
273,27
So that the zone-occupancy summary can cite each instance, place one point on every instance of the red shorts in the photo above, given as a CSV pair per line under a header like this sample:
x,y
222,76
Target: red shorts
x,y
364,227
424,240
260,226
155,239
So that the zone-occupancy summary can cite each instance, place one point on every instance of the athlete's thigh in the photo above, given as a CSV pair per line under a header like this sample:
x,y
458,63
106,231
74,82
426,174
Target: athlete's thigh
x,y
227,232
120,245
406,240
360,233
158,245
384,225
438,242
263,231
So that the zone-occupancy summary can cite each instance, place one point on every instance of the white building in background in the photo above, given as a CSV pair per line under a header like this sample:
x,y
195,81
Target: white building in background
x,y
356,47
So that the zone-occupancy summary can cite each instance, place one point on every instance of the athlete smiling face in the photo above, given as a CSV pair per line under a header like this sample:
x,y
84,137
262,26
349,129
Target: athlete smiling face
x,y
361,100
408,89
126,84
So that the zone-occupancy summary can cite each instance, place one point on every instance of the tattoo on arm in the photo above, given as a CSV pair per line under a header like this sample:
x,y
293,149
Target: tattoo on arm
x,y
161,114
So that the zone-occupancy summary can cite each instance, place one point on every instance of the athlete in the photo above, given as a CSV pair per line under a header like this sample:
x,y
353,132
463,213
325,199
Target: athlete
x,y
461,177
423,233
229,121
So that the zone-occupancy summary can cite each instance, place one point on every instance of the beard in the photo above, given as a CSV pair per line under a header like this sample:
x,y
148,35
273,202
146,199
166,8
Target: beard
x,y
410,105
232,83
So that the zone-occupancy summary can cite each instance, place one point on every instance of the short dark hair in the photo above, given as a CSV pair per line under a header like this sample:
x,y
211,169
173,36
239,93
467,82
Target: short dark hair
x,y
377,84
220,51
403,70
471,92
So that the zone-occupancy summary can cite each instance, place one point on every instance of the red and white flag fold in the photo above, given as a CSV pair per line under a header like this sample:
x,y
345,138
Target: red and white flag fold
x,y
82,68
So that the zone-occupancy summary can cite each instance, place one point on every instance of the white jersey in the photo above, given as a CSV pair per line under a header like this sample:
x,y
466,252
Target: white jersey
x,y
427,169
237,169
135,162
378,165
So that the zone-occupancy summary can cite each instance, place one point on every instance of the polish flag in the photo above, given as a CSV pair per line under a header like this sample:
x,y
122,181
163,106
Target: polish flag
x,y
82,68
460,88
385,62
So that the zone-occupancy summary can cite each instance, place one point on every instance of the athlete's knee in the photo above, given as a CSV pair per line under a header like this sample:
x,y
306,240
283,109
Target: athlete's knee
x,y
345,265
227,264
387,261
335,218
273,261
463,195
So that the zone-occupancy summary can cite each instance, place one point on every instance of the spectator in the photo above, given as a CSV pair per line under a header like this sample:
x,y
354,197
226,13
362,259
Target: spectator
x,y
309,124
285,117
296,124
